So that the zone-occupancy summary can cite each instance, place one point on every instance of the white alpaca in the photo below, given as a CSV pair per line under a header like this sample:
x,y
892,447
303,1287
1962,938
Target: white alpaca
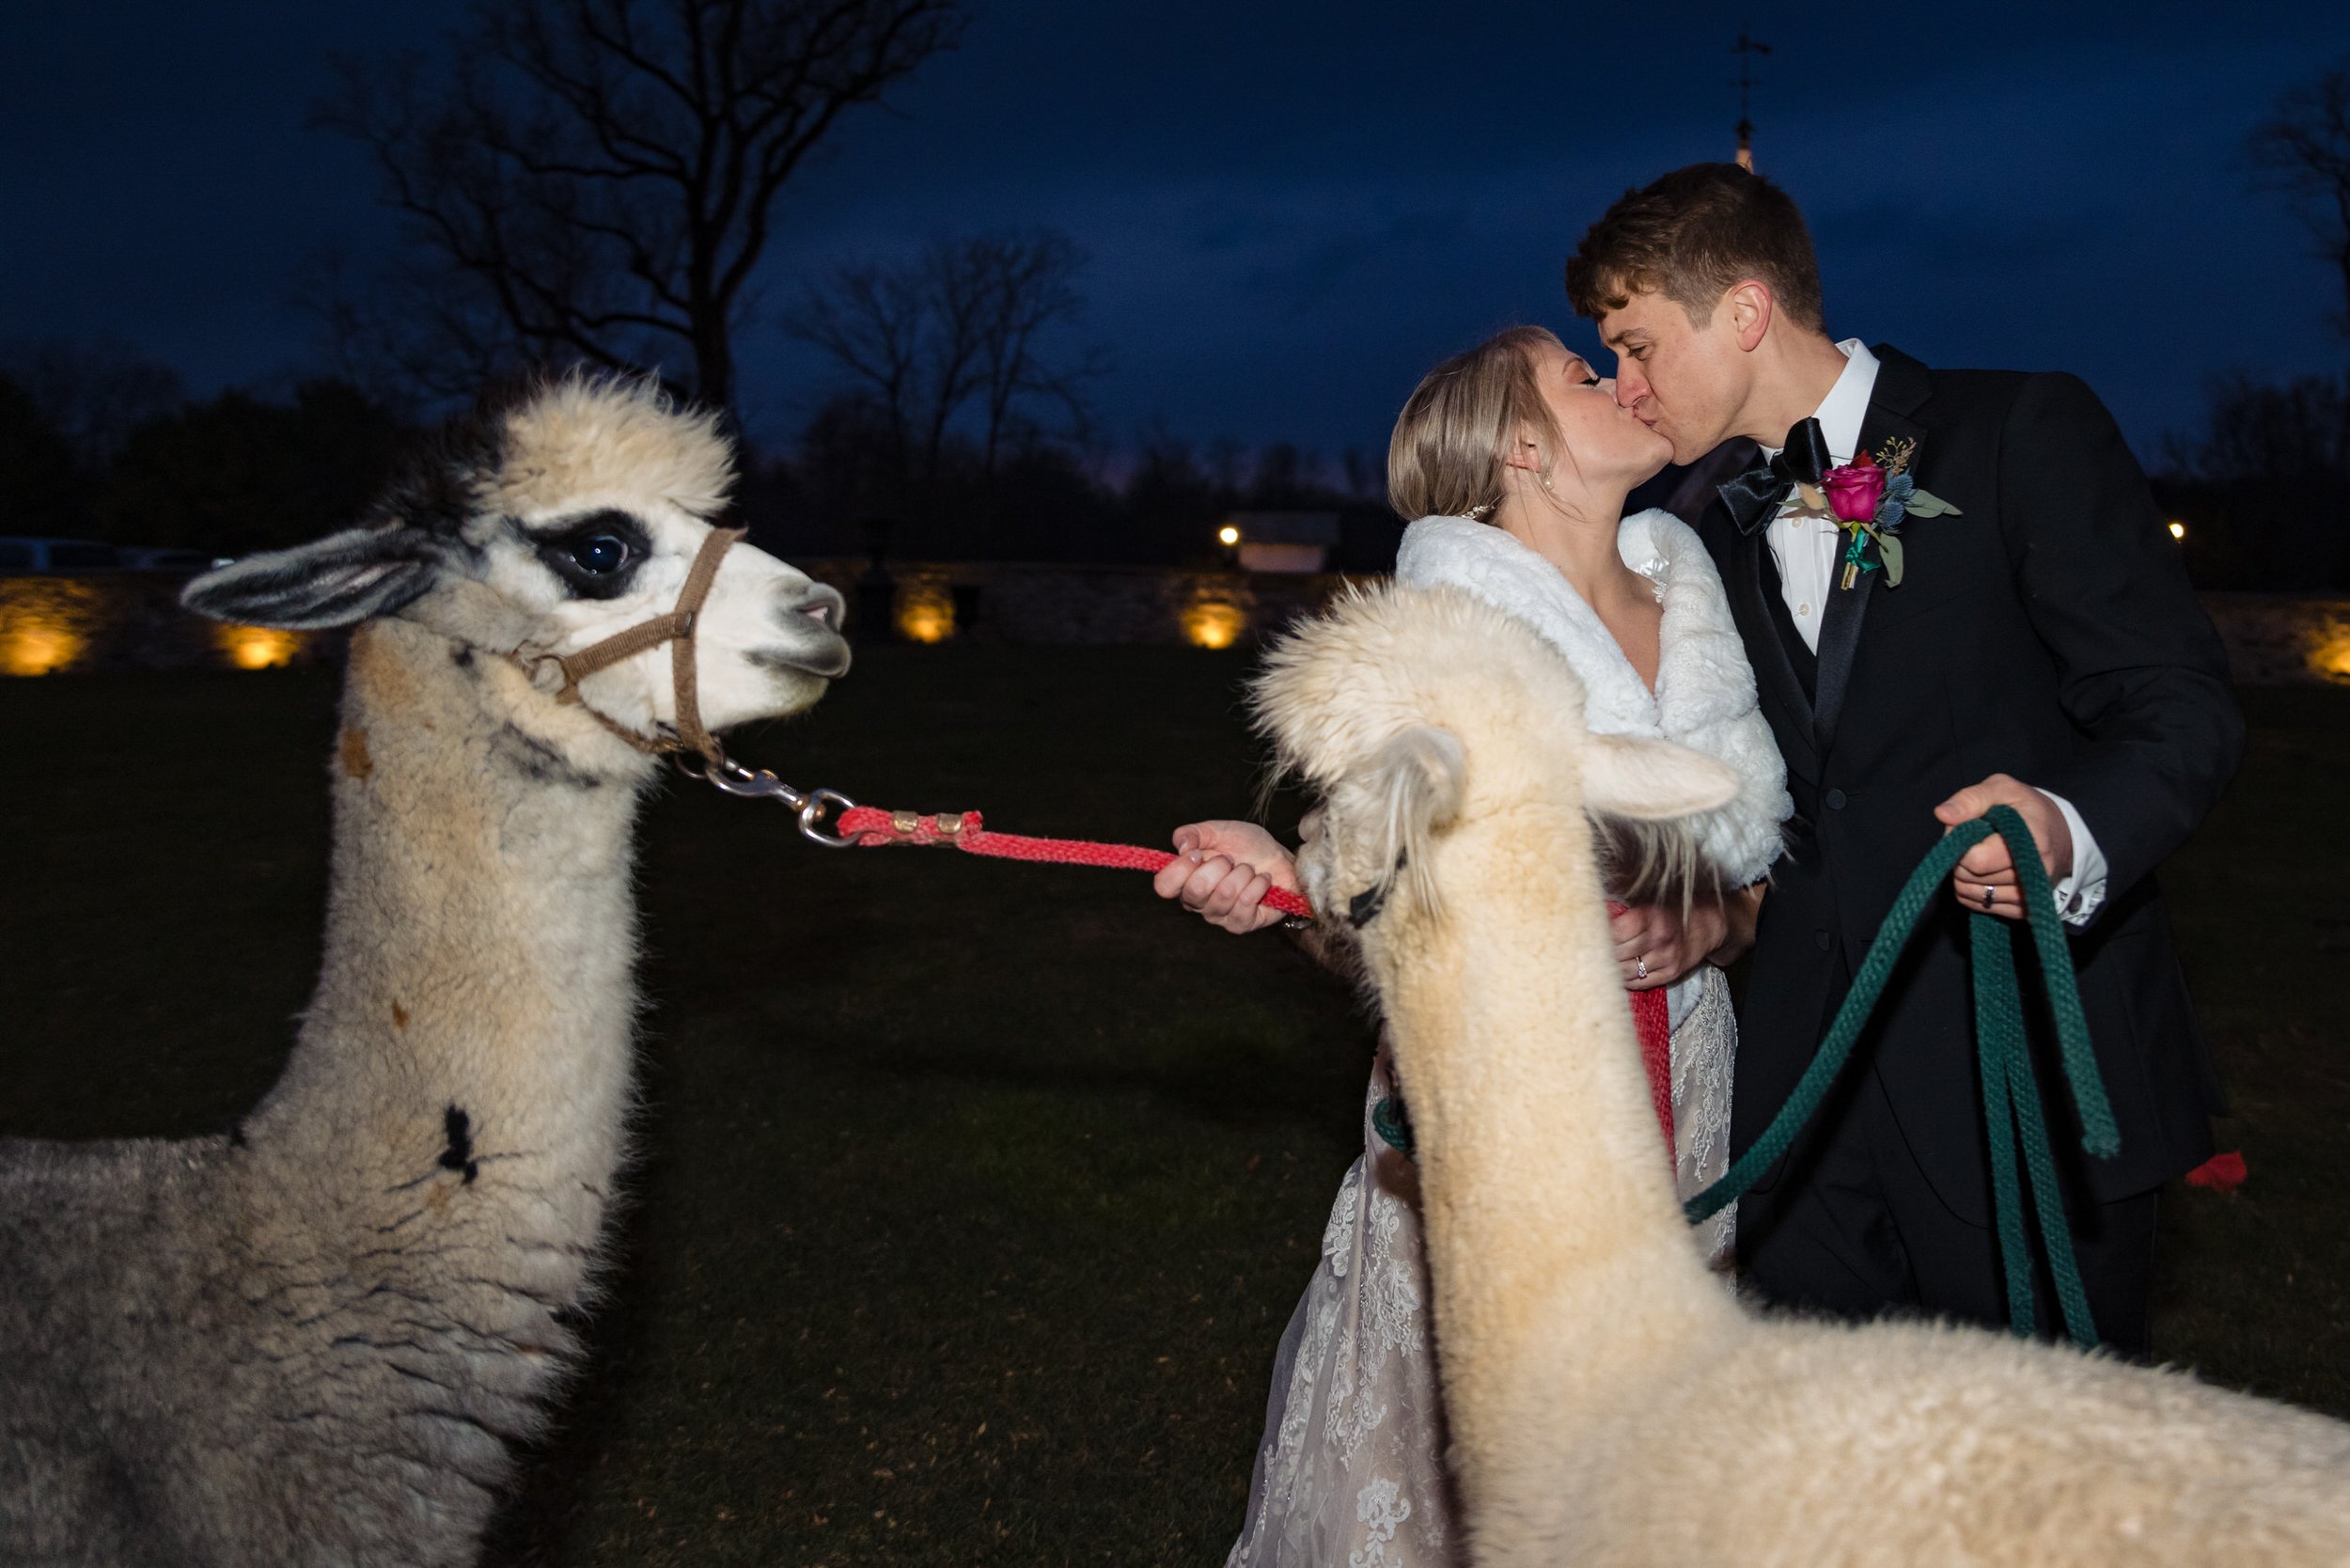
x,y
314,1339
1610,1402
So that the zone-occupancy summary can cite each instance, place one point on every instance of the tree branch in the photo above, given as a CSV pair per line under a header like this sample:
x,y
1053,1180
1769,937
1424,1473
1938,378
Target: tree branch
x,y
600,176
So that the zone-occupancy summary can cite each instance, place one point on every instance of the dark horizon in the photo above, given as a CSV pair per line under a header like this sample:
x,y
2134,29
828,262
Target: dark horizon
x,y
1293,210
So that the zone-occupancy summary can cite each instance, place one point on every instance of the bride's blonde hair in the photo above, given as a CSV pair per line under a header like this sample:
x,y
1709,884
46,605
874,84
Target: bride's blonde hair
x,y
1445,458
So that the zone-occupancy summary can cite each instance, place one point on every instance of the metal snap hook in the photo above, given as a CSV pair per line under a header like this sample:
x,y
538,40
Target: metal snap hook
x,y
812,806
736,779
812,818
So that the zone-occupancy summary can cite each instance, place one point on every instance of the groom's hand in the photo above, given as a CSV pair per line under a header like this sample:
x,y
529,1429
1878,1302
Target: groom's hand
x,y
1984,879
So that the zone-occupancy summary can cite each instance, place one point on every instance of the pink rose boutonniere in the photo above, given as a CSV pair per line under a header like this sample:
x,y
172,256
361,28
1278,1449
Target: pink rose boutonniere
x,y
1855,489
1872,498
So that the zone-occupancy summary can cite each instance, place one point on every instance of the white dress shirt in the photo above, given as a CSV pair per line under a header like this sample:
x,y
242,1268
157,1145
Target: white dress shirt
x,y
1805,546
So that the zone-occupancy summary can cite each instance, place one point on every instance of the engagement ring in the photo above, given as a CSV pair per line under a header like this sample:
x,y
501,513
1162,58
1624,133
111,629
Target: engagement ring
x,y
1641,970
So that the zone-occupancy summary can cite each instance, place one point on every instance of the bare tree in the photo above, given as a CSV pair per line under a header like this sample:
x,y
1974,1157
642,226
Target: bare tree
x,y
1017,290
2305,153
873,321
596,180
956,336
2297,431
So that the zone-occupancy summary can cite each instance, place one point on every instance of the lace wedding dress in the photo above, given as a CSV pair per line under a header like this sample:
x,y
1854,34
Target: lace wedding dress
x,y
1351,1469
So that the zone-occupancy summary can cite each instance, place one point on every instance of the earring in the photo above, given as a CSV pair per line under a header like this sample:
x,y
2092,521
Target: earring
x,y
1546,485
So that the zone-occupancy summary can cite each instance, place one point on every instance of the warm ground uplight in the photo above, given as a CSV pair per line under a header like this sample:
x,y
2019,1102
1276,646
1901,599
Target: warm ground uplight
x,y
2178,530
48,624
1213,623
1227,535
257,646
926,612
38,649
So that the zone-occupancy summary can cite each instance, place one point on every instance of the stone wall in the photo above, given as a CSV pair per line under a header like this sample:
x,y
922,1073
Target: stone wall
x,y
987,601
132,619
2278,639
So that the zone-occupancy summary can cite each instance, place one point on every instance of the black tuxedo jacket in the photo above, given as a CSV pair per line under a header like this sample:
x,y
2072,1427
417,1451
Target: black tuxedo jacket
x,y
2046,631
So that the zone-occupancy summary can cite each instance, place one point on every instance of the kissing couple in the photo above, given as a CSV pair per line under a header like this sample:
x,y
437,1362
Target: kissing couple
x,y
1889,597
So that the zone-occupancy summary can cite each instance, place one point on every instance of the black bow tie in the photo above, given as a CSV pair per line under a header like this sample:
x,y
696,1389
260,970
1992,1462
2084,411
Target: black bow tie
x,y
1755,496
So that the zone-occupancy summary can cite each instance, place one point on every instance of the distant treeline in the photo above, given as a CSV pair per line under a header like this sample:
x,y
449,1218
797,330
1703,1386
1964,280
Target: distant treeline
x,y
2264,490
225,474
95,443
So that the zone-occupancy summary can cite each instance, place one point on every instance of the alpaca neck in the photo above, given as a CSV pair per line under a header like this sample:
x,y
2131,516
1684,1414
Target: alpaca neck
x,y
472,1022
1561,1268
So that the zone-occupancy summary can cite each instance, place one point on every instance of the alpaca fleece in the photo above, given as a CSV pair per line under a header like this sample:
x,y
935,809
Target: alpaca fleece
x,y
315,1340
1609,1401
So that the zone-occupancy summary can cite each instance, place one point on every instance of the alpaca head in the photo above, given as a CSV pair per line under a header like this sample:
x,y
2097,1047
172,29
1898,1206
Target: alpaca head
x,y
543,524
1418,714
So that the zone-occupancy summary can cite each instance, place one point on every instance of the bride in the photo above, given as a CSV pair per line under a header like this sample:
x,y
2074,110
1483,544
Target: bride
x,y
1516,460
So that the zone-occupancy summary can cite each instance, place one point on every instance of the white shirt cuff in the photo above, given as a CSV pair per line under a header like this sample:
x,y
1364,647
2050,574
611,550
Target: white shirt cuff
x,y
2078,895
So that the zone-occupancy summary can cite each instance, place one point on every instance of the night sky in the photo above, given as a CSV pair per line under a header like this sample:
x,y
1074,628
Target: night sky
x,y
1294,209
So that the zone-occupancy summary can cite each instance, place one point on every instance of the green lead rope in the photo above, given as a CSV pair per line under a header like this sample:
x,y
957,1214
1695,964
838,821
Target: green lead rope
x,y
2011,1096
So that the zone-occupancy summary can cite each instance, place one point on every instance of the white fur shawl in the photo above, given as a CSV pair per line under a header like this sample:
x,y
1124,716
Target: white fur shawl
x,y
1704,696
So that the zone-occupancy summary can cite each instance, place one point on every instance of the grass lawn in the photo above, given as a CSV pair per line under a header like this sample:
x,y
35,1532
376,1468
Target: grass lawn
x,y
973,1196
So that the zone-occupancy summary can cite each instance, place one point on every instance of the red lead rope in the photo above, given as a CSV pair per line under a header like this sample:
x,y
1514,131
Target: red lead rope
x,y
872,827
1652,1020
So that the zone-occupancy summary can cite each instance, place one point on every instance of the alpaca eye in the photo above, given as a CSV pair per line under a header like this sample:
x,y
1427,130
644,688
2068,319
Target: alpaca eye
x,y
601,554
596,556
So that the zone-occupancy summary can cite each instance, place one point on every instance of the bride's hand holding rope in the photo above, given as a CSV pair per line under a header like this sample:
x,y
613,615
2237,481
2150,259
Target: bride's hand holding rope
x,y
1222,872
1658,943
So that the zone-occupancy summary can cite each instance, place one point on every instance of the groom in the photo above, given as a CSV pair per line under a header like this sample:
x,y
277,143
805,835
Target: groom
x,y
2041,650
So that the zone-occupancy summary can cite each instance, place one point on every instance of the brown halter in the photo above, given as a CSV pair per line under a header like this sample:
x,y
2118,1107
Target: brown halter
x,y
675,628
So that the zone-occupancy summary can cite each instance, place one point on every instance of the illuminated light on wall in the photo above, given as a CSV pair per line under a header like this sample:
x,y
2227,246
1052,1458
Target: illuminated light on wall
x,y
49,623
2178,530
257,646
1214,622
926,611
1227,536
31,649
2330,658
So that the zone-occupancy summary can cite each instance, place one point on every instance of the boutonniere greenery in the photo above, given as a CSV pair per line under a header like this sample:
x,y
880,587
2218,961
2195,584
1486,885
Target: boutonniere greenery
x,y
1872,498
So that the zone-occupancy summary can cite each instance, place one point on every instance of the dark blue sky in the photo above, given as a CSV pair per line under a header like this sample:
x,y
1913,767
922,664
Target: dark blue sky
x,y
1294,207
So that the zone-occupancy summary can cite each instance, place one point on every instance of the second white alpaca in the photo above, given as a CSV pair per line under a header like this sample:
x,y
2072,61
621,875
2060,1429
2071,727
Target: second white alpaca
x,y
1610,1402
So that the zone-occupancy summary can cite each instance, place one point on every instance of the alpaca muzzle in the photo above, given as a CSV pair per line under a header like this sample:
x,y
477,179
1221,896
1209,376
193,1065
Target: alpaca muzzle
x,y
812,621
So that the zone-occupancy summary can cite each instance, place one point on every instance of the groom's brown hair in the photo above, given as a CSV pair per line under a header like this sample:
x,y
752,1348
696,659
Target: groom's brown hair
x,y
1691,236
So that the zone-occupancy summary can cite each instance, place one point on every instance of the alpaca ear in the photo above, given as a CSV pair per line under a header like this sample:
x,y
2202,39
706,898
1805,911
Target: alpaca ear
x,y
336,581
1644,781
1417,779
